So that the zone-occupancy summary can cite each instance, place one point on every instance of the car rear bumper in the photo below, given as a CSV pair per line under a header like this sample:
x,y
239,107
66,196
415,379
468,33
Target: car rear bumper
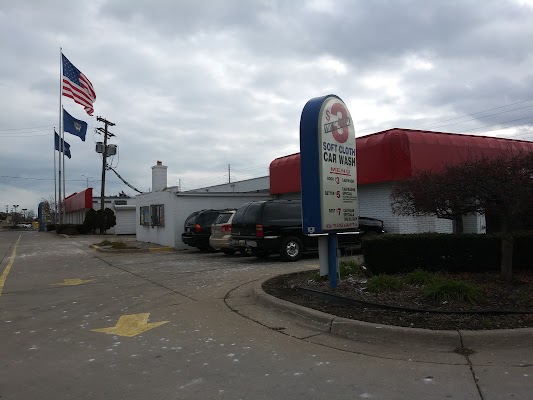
x,y
220,243
265,243
194,241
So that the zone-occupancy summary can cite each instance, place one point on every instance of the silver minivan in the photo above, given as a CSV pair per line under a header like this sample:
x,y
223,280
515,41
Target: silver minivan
x,y
221,233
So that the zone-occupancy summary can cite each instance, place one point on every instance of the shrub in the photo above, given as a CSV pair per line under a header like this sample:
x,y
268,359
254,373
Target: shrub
x,y
384,283
104,243
317,278
51,227
448,289
351,267
392,253
419,277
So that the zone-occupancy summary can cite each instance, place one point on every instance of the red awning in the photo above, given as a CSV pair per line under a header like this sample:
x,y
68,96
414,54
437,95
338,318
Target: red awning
x,y
79,201
397,154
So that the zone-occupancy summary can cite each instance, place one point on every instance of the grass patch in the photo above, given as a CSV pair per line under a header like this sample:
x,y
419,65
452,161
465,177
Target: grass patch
x,y
351,267
118,245
420,277
448,289
121,245
317,278
384,283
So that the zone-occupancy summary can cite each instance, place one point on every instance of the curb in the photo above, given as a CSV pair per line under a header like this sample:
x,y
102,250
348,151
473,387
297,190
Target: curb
x,y
147,250
380,333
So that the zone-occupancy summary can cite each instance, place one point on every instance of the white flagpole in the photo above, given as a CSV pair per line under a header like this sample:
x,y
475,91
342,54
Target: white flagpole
x,y
55,178
64,173
60,145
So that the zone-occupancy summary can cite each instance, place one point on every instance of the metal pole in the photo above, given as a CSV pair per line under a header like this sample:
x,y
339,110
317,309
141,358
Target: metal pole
x,y
55,177
63,155
58,205
332,258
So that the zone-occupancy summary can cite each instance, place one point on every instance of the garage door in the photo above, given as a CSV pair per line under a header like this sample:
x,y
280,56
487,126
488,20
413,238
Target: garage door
x,y
125,220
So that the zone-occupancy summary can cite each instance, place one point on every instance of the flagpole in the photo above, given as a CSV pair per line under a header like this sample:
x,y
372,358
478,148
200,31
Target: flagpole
x,y
58,205
55,178
64,169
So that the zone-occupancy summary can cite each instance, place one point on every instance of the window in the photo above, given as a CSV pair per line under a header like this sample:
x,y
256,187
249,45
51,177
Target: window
x,y
282,211
158,215
144,216
223,218
252,213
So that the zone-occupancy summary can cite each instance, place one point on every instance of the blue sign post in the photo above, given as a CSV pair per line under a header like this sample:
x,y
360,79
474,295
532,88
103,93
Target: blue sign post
x,y
328,173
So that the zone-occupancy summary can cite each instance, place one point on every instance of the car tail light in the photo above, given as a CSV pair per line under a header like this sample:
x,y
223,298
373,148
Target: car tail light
x,y
259,230
226,228
197,228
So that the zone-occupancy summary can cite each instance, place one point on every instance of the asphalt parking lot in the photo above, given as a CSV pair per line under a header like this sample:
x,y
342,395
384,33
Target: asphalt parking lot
x,y
77,323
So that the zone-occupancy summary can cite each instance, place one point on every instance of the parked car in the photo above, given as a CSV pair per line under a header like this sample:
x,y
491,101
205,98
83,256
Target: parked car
x,y
197,228
221,233
275,227
25,225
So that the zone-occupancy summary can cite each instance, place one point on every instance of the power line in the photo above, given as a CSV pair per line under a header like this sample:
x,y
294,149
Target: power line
x,y
484,116
478,112
23,129
500,123
24,136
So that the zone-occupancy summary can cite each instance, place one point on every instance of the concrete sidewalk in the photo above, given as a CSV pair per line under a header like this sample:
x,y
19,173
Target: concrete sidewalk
x,y
491,347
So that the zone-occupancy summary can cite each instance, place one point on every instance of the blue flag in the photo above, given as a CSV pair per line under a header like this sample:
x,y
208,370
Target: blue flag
x,y
57,141
74,126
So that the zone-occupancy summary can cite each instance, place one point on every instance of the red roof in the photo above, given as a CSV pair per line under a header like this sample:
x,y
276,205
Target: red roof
x,y
397,154
79,201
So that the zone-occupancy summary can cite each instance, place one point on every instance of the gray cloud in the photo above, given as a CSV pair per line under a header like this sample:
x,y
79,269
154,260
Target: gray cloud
x,y
206,84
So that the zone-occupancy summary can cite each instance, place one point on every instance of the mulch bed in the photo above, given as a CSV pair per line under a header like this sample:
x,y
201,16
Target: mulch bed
x,y
497,296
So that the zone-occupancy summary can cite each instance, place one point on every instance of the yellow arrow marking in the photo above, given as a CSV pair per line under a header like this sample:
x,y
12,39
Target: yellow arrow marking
x,y
131,325
4,275
73,282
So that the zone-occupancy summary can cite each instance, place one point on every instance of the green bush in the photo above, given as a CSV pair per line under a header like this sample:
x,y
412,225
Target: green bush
x,y
448,289
51,227
104,243
419,277
351,267
392,253
384,283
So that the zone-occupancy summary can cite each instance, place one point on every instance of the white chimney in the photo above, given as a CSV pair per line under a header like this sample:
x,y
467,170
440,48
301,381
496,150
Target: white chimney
x,y
159,177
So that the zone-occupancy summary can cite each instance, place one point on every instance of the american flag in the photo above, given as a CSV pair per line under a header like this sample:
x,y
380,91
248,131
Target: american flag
x,y
77,86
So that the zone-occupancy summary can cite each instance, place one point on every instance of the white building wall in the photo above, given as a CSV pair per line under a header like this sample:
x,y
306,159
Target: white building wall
x,y
178,206
474,223
163,235
375,202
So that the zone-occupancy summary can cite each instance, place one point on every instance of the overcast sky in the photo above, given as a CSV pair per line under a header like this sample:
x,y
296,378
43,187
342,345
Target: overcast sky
x,y
203,84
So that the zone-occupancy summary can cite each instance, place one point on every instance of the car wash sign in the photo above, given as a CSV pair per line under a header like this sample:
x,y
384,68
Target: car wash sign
x,y
328,166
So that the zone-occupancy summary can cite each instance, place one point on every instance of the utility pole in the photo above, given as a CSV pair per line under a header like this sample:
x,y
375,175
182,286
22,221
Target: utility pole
x,y
106,134
229,174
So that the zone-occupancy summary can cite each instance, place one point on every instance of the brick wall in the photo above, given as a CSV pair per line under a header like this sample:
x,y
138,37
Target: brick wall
x,y
374,201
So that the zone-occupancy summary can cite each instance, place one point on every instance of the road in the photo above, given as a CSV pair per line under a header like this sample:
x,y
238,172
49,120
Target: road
x,y
80,324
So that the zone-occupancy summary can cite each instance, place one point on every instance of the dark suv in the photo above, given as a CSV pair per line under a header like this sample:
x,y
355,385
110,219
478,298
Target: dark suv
x,y
197,228
275,227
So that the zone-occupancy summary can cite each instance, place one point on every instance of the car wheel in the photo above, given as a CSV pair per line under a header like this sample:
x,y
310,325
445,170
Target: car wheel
x,y
229,252
291,249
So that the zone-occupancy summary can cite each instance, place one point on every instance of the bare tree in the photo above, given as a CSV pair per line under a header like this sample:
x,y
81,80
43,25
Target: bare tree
x,y
502,185
52,209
